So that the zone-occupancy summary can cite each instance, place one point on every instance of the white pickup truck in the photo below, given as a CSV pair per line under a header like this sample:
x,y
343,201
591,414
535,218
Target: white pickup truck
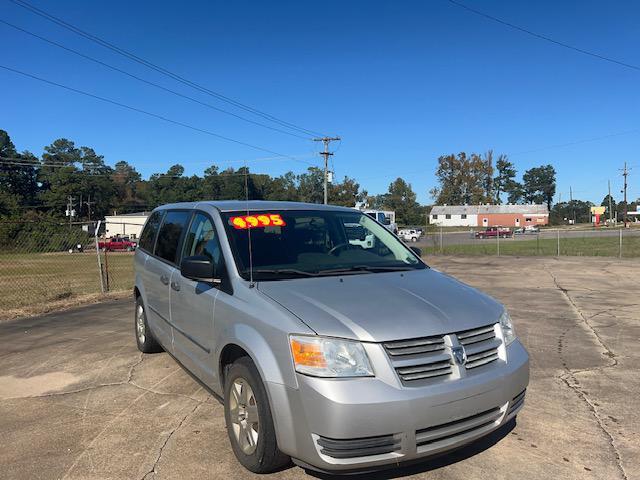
x,y
410,234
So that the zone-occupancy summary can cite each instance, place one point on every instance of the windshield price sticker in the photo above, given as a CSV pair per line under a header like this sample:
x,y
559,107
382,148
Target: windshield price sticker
x,y
257,221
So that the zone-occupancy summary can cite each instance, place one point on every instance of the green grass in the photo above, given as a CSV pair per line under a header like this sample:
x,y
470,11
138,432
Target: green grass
x,y
586,246
39,278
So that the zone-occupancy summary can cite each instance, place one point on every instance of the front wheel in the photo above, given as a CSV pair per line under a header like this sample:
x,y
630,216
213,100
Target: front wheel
x,y
249,422
145,340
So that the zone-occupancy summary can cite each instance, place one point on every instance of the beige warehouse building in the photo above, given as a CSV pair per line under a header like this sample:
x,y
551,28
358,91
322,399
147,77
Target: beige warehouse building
x,y
128,224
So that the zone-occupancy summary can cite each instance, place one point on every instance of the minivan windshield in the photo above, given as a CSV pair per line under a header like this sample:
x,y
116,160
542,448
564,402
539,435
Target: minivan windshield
x,y
308,243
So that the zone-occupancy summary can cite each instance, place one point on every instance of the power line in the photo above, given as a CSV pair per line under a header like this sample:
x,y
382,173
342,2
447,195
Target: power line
x,y
168,90
17,161
578,142
135,109
164,71
543,37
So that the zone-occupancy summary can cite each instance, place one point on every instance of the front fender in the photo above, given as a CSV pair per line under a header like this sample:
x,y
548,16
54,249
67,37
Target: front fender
x,y
271,357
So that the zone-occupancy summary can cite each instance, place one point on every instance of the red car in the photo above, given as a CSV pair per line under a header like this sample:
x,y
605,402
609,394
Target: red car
x,y
117,244
493,232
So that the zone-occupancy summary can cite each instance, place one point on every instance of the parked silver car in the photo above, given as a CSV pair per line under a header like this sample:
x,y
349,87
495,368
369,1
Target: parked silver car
x,y
337,356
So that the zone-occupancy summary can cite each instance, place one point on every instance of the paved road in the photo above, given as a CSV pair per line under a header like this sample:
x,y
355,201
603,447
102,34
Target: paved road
x,y
78,401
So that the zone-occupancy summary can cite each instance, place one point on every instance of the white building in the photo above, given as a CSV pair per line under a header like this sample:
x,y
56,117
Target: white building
x,y
507,215
128,224
454,215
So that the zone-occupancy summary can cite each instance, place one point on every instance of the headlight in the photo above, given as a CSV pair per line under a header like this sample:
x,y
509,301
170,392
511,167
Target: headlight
x,y
508,332
329,357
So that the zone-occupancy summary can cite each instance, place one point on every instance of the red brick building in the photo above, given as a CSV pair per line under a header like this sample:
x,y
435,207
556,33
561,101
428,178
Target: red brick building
x,y
489,215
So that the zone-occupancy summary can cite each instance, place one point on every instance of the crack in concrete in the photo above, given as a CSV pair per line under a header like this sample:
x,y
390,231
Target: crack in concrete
x,y
121,413
129,381
569,378
583,396
153,471
133,367
175,394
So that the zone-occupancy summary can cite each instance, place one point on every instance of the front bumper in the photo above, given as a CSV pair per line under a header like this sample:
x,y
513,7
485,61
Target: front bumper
x,y
355,424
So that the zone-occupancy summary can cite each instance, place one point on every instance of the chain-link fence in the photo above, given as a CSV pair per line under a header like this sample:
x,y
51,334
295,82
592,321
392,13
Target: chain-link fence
x,y
46,262
606,242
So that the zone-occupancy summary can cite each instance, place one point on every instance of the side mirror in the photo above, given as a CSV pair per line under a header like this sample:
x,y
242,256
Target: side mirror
x,y
198,268
417,251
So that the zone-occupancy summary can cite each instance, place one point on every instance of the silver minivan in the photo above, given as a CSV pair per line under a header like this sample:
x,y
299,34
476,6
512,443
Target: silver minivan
x,y
330,341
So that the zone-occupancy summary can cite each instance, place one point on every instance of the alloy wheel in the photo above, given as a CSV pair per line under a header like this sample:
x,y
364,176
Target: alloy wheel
x,y
243,410
140,326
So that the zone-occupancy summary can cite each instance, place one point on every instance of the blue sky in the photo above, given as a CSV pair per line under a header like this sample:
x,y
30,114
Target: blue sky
x,y
401,82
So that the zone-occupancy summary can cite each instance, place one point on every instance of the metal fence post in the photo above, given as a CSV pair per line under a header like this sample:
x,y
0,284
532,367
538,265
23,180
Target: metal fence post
x,y
498,242
620,249
558,232
98,255
441,247
106,270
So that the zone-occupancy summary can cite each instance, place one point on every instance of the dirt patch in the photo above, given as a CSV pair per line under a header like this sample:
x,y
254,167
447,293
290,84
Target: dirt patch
x,y
20,387
60,304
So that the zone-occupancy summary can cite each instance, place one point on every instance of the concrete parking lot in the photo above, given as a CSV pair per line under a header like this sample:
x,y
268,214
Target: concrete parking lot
x,y
77,400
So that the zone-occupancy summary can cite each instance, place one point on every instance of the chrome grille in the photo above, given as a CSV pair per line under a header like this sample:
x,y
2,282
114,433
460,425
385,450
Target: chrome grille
x,y
481,346
428,359
416,346
419,358
426,370
470,337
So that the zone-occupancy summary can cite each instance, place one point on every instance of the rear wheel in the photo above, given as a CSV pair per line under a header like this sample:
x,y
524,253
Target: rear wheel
x,y
249,422
145,340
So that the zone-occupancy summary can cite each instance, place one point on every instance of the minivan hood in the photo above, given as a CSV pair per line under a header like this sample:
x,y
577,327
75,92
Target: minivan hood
x,y
378,307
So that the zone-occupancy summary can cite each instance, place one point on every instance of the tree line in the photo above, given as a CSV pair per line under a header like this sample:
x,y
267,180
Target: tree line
x,y
41,186
33,187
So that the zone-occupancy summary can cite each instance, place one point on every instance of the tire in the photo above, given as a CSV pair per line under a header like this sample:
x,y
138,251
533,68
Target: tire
x,y
145,340
253,443
414,239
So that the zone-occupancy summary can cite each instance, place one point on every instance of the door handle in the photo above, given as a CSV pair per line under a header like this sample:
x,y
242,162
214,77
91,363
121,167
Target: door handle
x,y
175,286
164,279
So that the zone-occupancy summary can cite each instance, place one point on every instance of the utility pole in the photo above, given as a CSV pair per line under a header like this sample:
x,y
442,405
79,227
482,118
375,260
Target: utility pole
x,y
610,207
573,209
71,202
88,203
625,173
325,154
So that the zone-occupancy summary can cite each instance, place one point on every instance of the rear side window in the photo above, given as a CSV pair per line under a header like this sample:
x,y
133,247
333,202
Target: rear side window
x,y
148,236
170,233
201,239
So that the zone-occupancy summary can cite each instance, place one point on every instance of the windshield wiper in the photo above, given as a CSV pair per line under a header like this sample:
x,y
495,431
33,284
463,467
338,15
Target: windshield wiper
x,y
284,271
365,268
